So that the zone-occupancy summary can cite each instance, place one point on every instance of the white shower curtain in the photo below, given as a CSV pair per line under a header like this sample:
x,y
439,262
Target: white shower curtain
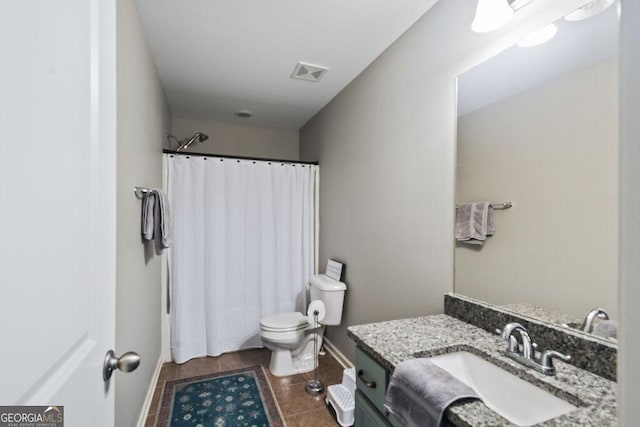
x,y
243,248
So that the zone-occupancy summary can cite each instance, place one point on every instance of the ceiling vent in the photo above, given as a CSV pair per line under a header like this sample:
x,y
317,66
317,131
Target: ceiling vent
x,y
309,72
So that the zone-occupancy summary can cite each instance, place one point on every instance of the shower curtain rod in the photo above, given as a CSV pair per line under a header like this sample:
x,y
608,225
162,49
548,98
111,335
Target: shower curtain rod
x,y
222,156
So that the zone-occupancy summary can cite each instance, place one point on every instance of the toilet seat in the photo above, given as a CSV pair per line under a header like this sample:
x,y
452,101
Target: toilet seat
x,y
284,322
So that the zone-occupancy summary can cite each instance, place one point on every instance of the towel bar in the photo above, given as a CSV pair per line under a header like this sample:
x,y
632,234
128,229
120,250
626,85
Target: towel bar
x,y
141,191
499,205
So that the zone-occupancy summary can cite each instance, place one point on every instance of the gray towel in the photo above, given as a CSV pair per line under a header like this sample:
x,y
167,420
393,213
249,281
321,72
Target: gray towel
x,y
148,203
606,329
419,392
474,222
156,219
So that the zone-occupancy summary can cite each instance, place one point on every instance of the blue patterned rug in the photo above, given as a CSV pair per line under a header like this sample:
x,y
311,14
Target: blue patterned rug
x,y
237,398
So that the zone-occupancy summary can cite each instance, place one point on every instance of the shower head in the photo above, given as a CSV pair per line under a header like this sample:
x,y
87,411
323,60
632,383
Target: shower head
x,y
199,136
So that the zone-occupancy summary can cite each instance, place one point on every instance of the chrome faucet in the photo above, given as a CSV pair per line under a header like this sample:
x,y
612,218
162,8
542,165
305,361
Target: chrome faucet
x,y
587,325
527,357
513,346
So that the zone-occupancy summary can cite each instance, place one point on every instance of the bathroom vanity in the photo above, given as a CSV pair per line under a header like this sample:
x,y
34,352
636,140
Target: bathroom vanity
x,y
381,346
372,380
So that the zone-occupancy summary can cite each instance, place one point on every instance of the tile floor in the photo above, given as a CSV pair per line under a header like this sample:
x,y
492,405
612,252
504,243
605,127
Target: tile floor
x,y
298,408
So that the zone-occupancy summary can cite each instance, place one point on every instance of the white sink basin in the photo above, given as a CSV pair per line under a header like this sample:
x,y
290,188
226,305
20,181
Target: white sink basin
x,y
518,401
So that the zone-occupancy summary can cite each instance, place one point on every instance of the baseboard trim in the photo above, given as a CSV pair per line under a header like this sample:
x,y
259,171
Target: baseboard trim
x,y
144,412
337,354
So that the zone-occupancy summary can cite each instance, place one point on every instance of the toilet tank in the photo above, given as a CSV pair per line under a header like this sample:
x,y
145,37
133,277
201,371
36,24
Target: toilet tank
x,y
331,293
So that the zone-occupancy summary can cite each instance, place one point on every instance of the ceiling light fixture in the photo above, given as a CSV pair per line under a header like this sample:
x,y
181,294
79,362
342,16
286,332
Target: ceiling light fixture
x,y
491,15
588,10
538,37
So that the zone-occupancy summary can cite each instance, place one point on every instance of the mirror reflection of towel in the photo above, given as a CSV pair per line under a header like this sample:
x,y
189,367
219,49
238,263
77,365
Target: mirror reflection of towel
x,y
474,222
606,329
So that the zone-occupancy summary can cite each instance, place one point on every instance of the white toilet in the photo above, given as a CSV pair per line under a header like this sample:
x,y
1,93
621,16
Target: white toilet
x,y
289,336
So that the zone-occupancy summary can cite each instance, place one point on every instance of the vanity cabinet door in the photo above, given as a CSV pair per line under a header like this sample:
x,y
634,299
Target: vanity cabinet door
x,y
366,414
371,379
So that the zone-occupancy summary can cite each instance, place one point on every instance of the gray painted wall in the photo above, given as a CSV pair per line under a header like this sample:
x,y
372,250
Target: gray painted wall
x,y
234,139
386,146
142,120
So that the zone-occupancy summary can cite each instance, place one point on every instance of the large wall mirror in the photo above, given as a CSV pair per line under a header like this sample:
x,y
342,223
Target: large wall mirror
x,y
538,127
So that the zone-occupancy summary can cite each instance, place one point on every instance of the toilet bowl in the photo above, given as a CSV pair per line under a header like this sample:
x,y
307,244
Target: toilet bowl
x,y
290,335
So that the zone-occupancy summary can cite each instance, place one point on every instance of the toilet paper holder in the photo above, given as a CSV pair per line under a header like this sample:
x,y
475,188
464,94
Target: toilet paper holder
x,y
316,312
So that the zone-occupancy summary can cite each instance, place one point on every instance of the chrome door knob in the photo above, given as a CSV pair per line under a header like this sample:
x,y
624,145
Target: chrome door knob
x,y
126,363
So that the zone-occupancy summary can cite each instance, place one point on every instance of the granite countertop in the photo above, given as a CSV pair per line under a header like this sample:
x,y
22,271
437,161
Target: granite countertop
x,y
395,341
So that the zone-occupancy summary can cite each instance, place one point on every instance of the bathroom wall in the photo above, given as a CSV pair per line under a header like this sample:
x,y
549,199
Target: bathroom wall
x,y
142,120
237,140
386,146
628,366
553,151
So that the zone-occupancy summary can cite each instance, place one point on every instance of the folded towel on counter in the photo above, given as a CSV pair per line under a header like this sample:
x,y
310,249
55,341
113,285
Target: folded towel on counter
x,y
419,392
606,329
156,219
474,222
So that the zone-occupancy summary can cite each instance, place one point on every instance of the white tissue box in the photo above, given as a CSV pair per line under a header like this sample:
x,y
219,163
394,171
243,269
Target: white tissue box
x,y
342,398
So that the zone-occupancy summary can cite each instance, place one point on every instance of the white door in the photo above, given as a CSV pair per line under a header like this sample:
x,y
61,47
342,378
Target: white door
x,y
57,205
